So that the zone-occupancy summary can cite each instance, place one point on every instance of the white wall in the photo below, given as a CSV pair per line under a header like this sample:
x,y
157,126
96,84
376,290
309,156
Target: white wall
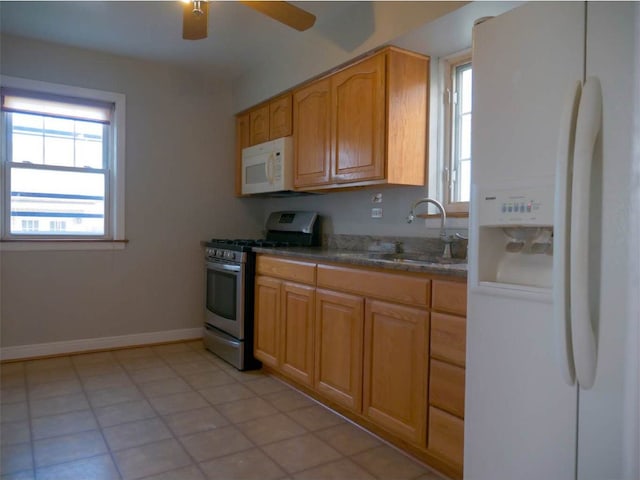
x,y
179,191
368,26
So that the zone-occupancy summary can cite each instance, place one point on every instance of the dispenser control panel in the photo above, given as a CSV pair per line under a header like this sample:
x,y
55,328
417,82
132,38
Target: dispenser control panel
x,y
516,206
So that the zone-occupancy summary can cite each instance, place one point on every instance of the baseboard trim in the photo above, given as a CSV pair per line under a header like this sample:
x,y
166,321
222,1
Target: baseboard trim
x,y
92,344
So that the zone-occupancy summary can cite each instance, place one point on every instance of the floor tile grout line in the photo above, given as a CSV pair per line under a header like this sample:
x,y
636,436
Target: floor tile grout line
x,y
263,395
30,420
100,430
164,422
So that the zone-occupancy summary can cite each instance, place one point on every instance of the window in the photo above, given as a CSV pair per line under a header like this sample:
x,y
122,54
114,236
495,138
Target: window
x,y
63,162
457,163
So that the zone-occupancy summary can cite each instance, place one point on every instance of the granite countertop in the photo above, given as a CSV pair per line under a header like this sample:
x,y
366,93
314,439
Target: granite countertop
x,y
408,262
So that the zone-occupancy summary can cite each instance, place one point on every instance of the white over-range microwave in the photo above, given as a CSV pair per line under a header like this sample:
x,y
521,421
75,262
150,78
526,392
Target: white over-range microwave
x,y
268,167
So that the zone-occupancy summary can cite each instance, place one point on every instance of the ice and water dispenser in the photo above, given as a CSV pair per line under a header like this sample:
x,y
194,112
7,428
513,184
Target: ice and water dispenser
x,y
515,236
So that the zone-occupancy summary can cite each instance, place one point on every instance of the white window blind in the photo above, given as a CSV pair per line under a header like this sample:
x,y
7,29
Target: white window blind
x,y
63,162
22,101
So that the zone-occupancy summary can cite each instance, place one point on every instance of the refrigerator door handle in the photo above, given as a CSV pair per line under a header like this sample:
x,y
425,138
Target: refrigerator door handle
x,y
582,331
561,235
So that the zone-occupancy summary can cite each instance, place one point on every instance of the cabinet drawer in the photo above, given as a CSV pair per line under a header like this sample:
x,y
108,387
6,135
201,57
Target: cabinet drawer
x,y
448,338
450,297
446,387
385,286
446,435
297,271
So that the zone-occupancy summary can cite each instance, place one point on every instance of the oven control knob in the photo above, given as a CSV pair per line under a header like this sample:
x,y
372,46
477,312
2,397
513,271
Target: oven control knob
x,y
230,255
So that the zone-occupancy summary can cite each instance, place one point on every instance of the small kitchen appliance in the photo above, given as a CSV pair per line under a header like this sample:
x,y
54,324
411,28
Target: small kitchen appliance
x,y
230,272
268,167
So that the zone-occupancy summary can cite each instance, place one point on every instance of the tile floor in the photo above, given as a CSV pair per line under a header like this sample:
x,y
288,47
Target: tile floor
x,y
176,412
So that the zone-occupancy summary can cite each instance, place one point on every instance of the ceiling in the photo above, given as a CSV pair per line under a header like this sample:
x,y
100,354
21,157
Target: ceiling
x,y
152,30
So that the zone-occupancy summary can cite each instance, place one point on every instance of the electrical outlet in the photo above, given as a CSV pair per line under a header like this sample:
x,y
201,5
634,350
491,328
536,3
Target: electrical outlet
x,y
376,213
377,198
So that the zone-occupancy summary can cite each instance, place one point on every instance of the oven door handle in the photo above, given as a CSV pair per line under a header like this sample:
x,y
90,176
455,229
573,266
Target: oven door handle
x,y
223,267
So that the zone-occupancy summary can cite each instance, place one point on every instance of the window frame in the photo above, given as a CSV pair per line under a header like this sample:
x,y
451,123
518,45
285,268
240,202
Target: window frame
x,y
449,66
114,237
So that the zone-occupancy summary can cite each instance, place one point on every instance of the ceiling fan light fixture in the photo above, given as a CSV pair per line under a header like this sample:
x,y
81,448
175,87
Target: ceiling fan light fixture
x,y
197,8
194,19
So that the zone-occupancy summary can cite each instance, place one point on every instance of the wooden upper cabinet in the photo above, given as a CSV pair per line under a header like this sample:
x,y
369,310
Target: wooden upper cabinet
x,y
312,134
270,120
242,141
364,124
259,125
280,123
378,124
358,121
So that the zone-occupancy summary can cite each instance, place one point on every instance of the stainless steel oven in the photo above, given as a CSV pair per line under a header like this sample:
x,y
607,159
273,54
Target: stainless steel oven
x,y
229,303
225,291
230,275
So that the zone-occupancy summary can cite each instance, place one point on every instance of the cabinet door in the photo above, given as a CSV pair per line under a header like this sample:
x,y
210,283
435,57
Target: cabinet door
x,y
339,342
266,320
396,354
312,134
280,117
297,331
358,122
242,141
259,129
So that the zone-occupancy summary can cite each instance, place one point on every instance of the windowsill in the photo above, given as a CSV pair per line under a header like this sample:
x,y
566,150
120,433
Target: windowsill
x,y
62,244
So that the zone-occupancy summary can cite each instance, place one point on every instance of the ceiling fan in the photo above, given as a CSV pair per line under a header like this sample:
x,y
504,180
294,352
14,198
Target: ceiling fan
x,y
195,12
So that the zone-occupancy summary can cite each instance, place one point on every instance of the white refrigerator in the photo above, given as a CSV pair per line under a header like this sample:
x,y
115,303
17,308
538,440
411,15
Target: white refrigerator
x,y
551,370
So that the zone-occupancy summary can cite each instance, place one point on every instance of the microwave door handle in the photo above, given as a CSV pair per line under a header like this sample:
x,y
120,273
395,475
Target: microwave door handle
x,y
270,166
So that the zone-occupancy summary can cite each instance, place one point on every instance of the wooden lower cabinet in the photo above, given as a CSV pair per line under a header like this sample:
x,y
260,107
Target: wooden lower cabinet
x,y
297,318
283,318
396,352
447,373
385,349
446,436
267,320
338,346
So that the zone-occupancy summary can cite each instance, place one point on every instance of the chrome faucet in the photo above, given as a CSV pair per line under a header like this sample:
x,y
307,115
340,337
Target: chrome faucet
x,y
447,239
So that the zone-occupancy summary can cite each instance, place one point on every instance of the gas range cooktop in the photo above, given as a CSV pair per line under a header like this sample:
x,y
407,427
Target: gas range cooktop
x,y
245,245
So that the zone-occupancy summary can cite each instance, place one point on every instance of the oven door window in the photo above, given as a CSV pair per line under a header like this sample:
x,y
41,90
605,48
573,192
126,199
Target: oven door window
x,y
221,293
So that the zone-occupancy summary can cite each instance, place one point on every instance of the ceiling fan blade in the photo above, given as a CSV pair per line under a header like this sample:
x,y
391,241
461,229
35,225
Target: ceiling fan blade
x,y
194,27
283,12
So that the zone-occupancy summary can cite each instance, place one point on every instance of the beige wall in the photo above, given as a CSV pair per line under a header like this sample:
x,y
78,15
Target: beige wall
x,y
179,178
179,184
